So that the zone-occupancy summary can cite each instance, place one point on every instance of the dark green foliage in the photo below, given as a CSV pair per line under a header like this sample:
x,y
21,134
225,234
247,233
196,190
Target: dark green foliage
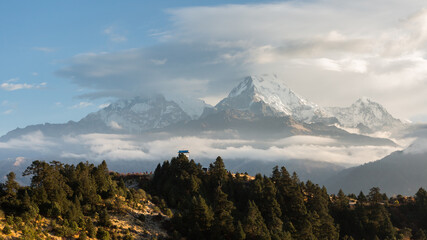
x,y
239,233
374,195
82,236
91,231
217,172
104,218
67,193
317,205
254,226
177,181
213,204
368,220
202,215
6,230
102,234
11,186
223,227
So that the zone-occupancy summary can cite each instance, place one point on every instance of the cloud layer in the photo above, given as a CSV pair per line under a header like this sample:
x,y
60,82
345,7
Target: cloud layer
x,y
12,85
116,147
330,51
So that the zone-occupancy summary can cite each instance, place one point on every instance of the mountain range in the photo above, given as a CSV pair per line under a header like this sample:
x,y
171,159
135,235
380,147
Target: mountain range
x,y
255,97
261,113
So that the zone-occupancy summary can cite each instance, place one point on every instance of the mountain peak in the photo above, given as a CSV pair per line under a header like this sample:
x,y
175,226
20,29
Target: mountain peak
x,y
258,83
139,114
269,95
366,112
364,100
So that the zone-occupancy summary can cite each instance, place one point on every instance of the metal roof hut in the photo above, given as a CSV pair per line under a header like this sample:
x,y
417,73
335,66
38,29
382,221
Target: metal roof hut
x,y
185,152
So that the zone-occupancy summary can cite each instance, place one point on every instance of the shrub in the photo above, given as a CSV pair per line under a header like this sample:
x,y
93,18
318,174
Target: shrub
x,y
128,237
82,236
102,234
6,230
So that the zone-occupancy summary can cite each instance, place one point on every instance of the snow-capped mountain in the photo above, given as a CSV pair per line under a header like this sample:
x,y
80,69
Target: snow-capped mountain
x,y
268,95
132,116
365,113
139,114
192,106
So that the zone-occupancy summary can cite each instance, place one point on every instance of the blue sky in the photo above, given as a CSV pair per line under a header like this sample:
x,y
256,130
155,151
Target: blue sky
x,y
36,38
55,54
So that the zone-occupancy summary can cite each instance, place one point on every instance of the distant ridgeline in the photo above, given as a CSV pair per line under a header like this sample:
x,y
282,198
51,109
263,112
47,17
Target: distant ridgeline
x,y
181,200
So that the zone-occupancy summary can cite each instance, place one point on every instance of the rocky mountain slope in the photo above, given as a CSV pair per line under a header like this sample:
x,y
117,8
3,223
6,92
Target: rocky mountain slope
x,y
139,114
366,115
402,172
254,98
267,95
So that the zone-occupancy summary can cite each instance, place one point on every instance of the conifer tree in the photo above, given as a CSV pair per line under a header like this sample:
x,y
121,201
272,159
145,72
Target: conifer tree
x,y
239,233
255,227
223,224
201,214
291,201
218,172
270,209
11,186
317,205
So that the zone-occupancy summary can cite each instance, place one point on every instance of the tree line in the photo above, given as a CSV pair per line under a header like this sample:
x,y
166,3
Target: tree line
x,y
216,204
204,204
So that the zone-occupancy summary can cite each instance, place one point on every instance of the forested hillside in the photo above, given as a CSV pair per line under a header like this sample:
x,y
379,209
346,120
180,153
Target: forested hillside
x,y
181,200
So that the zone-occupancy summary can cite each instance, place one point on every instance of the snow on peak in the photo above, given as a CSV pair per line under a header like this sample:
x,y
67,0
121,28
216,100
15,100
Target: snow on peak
x,y
271,91
366,112
192,106
364,100
139,114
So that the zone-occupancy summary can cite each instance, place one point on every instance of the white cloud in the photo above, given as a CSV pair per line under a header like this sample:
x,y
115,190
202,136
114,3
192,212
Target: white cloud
x,y
35,73
44,49
82,105
104,105
126,147
33,141
329,51
18,161
7,112
13,87
12,80
115,125
115,147
111,32
10,85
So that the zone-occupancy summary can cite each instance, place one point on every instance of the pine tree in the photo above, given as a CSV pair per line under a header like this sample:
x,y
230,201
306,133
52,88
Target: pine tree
x,y
239,234
255,227
91,231
270,209
201,214
11,186
218,172
223,227
317,205
104,218
375,196
291,201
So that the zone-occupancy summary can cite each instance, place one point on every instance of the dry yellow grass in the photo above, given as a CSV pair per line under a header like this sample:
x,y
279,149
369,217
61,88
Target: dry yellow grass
x,y
124,223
